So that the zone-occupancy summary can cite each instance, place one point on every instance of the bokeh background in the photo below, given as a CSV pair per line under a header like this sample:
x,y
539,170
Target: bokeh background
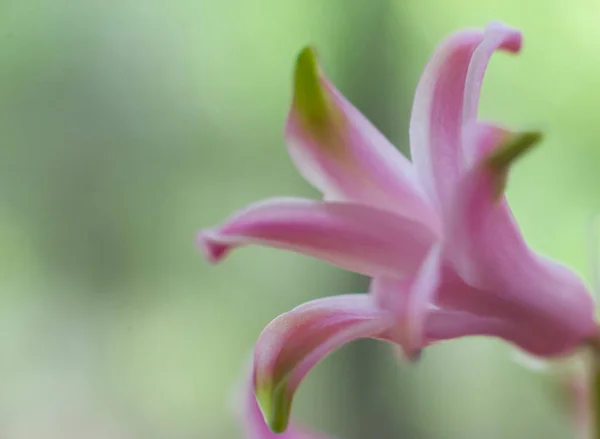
x,y
127,125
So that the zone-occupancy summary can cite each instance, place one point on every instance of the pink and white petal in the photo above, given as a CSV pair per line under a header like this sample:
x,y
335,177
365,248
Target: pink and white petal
x,y
448,324
253,423
352,236
480,199
296,341
491,311
460,310
342,154
481,140
496,36
423,295
447,97
487,250
411,300
391,294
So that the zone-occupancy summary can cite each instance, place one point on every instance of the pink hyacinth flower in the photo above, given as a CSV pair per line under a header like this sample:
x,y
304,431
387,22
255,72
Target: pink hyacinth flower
x,y
436,235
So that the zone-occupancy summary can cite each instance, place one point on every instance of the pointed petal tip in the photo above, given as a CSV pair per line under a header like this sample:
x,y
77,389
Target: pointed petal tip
x,y
310,97
308,56
307,68
211,246
516,146
513,38
500,160
275,405
292,344
447,97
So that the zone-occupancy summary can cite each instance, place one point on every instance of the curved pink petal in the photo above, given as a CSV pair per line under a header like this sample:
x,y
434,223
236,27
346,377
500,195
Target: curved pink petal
x,y
496,36
457,309
436,305
296,341
448,324
423,294
394,296
481,140
549,302
355,237
342,154
409,301
391,293
253,423
446,97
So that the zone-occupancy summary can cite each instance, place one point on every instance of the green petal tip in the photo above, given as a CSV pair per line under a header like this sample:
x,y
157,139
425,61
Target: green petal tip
x,y
501,159
310,99
275,404
515,147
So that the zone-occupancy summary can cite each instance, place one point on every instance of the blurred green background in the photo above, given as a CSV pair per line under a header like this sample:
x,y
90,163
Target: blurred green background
x,y
128,125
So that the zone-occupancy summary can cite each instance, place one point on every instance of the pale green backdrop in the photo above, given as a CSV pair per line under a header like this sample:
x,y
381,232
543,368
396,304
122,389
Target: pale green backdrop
x,y
128,125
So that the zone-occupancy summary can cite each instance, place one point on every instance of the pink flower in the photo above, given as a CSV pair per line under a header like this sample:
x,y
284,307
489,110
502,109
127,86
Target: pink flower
x,y
437,236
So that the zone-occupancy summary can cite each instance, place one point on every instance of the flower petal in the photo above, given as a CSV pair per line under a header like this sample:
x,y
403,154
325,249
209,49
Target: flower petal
x,y
461,310
342,154
391,293
354,237
253,423
423,309
296,341
422,296
448,324
481,199
447,97
496,36
549,302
